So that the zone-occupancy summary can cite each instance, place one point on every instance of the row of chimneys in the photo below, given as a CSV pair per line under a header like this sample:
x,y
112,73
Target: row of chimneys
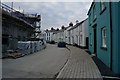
x,y
70,24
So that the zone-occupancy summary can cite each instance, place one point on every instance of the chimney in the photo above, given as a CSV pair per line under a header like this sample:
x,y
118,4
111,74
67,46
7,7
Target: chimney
x,y
70,24
52,28
57,29
62,27
77,21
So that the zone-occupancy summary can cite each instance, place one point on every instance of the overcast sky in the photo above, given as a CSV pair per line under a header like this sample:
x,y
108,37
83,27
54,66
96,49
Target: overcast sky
x,y
55,14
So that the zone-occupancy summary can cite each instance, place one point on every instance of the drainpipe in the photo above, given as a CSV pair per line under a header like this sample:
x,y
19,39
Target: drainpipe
x,y
111,36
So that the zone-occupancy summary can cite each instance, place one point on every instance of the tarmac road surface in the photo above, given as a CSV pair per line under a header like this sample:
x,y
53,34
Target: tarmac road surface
x,y
43,64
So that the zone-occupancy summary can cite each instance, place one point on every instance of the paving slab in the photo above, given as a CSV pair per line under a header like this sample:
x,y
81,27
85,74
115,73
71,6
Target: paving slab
x,y
79,65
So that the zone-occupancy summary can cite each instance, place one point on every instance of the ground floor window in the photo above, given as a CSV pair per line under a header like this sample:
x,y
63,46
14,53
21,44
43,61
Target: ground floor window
x,y
104,37
80,39
4,41
90,39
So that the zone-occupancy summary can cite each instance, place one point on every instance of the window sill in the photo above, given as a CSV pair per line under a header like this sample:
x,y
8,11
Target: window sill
x,y
104,48
102,11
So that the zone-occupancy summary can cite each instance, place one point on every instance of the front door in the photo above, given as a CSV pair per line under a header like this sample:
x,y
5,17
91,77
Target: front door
x,y
95,41
87,42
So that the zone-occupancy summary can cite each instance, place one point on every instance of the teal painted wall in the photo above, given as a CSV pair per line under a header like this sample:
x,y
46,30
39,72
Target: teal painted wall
x,y
103,20
116,39
91,31
118,36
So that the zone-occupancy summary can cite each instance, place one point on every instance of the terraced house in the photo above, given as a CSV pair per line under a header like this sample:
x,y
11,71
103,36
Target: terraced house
x,y
79,34
104,30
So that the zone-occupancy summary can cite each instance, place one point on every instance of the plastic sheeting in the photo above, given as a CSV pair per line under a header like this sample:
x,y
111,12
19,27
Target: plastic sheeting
x,y
27,47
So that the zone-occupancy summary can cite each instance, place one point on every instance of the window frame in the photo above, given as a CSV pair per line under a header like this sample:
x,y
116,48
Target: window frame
x,y
94,13
104,38
90,39
90,19
102,2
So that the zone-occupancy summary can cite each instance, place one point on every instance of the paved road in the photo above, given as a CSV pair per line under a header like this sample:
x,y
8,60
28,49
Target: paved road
x,y
43,64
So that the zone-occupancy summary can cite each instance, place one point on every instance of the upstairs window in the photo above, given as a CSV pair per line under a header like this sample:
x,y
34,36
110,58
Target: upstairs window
x,y
49,34
81,28
104,37
94,12
90,21
103,5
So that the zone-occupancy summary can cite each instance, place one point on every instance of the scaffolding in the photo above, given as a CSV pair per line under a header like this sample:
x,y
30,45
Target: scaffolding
x,y
34,20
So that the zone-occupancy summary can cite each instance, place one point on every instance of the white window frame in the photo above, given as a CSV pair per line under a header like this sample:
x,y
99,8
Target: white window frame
x,y
102,5
94,12
104,37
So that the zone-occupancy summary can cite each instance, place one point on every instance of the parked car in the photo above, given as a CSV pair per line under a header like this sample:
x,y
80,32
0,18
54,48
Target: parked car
x,y
61,44
74,44
47,41
52,42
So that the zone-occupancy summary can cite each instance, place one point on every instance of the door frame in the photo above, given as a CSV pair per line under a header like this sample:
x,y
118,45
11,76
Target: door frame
x,y
95,38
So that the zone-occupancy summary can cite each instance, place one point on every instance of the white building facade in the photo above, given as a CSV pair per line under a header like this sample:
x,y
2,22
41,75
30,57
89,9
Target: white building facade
x,y
77,34
67,34
48,35
83,34
58,35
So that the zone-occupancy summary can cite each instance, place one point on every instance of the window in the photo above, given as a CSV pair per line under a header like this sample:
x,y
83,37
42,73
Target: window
x,y
80,39
102,5
5,41
94,12
90,21
81,28
18,38
49,34
49,38
104,37
90,39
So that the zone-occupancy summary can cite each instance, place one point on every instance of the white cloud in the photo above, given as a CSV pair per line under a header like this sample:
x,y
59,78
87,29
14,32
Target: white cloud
x,y
46,0
56,14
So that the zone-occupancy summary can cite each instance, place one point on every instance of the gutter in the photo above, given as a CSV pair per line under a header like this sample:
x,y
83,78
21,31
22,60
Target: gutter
x,y
111,59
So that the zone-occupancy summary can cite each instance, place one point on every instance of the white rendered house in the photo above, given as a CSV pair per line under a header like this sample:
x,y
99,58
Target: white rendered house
x,y
67,34
78,34
83,34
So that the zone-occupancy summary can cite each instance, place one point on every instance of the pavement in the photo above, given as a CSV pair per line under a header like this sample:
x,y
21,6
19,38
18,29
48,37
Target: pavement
x,y
43,64
79,65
